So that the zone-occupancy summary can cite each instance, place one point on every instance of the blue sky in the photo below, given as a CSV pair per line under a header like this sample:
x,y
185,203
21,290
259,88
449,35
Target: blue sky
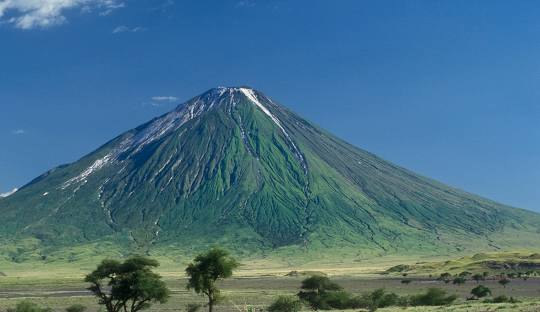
x,y
449,89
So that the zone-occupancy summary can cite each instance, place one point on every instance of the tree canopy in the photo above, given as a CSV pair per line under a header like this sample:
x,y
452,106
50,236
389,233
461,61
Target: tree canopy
x,y
480,291
206,269
127,286
320,293
319,284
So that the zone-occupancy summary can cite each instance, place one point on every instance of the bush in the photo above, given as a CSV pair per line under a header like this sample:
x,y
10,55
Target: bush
x,y
478,277
433,297
285,304
376,299
76,308
322,294
328,300
501,299
314,300
445,277
480,291
319,284
28,306
338,299
459,280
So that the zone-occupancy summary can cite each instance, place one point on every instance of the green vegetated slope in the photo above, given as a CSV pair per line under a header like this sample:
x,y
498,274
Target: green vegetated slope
x,y
232,167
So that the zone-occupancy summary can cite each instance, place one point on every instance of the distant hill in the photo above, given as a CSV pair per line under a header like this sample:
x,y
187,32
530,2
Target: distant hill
x,y
232,167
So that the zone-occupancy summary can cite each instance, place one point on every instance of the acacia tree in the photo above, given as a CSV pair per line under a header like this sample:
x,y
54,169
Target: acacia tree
x,y
206,269
127,286
316,290
480,291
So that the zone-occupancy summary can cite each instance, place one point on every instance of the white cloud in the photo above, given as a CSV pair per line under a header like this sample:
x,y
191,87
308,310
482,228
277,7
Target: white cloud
x,y
28,14
123,28
18,131
245,4
162,98
6,194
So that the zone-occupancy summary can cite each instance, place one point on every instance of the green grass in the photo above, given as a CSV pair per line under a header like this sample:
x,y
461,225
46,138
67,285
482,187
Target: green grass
x,y
528,306
239,304
258,282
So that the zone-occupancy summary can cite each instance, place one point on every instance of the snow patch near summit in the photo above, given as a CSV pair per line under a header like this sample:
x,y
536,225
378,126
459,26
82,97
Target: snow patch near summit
x,y
155,130
6,194
253,98
98,164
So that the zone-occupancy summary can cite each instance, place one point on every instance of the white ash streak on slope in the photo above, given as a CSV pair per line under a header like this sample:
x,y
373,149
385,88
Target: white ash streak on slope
x,y
253,98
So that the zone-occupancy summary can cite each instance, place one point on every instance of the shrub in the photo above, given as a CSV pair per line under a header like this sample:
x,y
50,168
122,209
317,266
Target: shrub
x,y
319,284
338,299
376,299
480,291
501,299
76,308
322,294
388,300
459,280
478,277
314,300
329,300
433,297
285,304
28,306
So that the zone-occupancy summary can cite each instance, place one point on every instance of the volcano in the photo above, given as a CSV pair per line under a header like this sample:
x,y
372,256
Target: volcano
x,y
232,167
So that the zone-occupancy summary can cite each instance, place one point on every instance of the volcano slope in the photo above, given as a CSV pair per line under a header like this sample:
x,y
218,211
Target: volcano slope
x,y
232,167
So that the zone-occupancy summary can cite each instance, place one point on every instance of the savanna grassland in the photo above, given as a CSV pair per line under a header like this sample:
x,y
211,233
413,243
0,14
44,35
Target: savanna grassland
x,y
242,293
256,284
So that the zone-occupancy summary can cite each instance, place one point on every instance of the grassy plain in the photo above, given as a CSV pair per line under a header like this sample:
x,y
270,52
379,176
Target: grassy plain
x,y
258,282
245,292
